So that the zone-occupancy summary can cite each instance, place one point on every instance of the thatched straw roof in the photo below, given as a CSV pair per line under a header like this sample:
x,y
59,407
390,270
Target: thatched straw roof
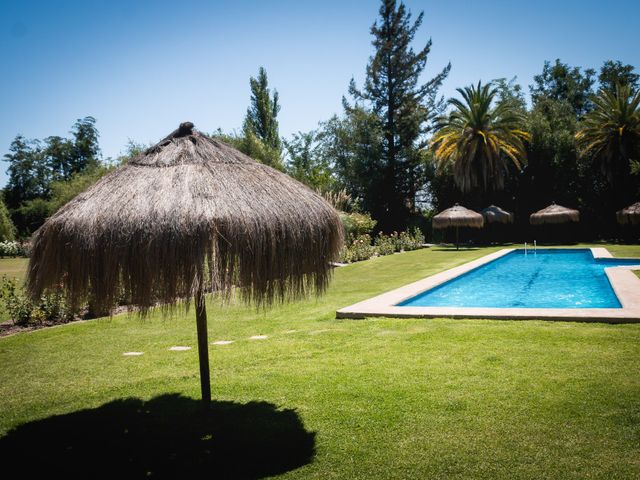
x,y
554,214
629,215
188,212
458,216
493,214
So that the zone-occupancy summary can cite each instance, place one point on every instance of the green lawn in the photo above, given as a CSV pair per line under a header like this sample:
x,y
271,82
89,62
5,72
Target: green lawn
x,y
13,267
328,399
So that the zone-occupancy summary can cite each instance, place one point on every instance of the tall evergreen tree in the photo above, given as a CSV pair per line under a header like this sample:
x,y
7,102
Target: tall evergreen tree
x,y
403,107
616,73
66,157
305,161
561,82
351,145
86,149
261,120
58,154
28,172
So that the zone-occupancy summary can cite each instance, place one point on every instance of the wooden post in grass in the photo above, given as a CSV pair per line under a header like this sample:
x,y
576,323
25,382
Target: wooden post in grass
x,y
203,347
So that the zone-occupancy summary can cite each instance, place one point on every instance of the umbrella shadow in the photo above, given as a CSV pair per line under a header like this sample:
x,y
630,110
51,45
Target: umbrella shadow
x,y
169,436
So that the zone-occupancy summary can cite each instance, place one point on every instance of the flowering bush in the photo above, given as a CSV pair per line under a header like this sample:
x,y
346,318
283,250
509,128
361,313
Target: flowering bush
x,y
357,249
385,244
360,248
412,240
13,249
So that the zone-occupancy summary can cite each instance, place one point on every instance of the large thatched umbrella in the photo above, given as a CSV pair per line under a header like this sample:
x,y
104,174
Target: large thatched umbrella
x,y
493,214
554,214
457,216
188,215
629,215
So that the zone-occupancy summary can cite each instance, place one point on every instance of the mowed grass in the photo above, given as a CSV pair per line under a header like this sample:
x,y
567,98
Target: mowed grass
x,y
14,268
381,398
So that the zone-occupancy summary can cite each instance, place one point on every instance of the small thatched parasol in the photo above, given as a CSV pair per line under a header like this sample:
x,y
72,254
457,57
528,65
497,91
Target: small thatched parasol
x,y
493,214
457,216
629,215
188,215
554,214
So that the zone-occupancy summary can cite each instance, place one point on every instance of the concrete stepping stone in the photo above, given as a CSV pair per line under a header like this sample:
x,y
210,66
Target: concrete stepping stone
x,y
222,342
316,332
132,354
258,337
387,332
179,349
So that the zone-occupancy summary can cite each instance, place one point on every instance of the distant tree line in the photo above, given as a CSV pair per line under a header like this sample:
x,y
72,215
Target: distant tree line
x,y
402,151
46,174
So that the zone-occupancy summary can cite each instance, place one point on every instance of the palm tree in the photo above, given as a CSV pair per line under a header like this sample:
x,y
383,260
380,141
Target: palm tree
x,y
610,133
479,140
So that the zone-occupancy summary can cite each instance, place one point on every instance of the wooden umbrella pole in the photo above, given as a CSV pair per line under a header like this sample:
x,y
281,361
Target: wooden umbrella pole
x,y
457,238
203,347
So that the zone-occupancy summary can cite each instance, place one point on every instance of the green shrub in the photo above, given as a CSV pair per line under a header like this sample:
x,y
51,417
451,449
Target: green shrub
x,y
385,244
357,224
357,249
345,254
412,240
51,307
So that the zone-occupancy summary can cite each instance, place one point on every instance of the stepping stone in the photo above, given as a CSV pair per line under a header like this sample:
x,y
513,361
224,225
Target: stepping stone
x,y
179,349
316,332
132,354
387,332
258,337
222,342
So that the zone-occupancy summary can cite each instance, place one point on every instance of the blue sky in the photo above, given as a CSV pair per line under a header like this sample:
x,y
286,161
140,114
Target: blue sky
x,y
143,67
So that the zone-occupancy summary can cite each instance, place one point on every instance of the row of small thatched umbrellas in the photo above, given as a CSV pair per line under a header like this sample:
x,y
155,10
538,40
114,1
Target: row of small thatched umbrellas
x,y
459,216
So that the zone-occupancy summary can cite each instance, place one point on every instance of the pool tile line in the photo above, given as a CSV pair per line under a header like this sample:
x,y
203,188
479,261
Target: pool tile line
x,y
624,282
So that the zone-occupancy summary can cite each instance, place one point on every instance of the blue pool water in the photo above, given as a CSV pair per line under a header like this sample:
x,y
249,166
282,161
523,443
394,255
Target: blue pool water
x,y
546,279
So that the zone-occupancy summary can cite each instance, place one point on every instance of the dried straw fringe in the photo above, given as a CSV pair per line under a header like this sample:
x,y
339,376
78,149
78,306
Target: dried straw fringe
x,y
189,212
458,216
554,214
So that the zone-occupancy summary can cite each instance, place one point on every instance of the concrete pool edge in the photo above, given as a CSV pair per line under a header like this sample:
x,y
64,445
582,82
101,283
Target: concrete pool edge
x,y
624,282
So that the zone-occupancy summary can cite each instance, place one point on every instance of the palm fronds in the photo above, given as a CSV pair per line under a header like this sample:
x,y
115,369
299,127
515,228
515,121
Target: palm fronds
x,y
479,140
611,132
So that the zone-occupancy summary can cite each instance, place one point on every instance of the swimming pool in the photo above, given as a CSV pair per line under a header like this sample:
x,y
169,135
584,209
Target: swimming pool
x,y
550,284
544,279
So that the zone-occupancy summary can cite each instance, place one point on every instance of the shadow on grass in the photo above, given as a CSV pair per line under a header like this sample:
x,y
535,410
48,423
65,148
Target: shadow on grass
x,y
453,249
169,436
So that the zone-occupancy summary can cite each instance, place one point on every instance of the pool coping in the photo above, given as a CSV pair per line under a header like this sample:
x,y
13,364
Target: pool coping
x,y
624,282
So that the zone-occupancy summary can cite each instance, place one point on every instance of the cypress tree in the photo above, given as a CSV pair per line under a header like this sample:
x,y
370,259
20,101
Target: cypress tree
x,y
403,106
261,119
